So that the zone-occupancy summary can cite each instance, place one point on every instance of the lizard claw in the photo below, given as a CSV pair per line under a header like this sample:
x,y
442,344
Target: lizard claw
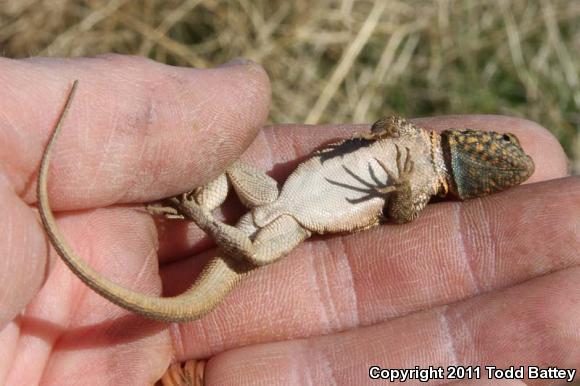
x,y
170,207
404,170
167,211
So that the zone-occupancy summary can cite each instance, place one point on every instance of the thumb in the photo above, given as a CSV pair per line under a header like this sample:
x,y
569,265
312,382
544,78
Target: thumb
x,y
136,131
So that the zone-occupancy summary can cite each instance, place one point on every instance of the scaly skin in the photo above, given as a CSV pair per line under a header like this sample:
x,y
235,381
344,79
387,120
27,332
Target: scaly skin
x,y
389,174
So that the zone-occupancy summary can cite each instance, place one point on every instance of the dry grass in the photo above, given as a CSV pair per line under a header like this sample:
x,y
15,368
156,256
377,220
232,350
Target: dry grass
x,y
349,60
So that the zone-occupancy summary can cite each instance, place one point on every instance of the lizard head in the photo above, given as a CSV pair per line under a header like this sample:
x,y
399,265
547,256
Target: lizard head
x,y
483,162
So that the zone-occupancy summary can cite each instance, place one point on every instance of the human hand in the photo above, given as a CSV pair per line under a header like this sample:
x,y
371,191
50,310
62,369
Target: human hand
x,y
483,250
125,131
490,281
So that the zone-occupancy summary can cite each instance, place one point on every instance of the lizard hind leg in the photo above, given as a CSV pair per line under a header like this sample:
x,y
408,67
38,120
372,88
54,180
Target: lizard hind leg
x,y
253,187
277,239
208,197
245,242
402,204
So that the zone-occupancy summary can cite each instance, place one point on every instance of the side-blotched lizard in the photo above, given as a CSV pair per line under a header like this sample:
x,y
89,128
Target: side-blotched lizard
x,y
389,174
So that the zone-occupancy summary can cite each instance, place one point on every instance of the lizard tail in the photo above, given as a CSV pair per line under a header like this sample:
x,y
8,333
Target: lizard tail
x,y
217,279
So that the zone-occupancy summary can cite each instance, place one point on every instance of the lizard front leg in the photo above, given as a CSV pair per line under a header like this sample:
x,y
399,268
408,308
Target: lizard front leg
x,y
402,203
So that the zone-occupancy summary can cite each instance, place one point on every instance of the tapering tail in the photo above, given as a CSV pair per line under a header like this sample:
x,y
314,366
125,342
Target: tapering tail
x,y
217,279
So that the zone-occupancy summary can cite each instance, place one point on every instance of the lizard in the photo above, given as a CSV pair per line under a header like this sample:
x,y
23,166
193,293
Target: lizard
x,y
386,175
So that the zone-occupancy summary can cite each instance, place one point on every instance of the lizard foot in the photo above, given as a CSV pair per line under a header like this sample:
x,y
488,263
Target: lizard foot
x,y
158,209
404,170
172,208
233,242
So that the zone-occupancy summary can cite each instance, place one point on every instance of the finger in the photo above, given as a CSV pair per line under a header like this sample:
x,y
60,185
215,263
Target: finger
x,y
137,130
533,323
279,149
23,261
452,252
67,325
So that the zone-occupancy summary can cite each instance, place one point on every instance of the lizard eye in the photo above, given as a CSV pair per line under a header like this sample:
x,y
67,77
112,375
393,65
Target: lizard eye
x,y
506,138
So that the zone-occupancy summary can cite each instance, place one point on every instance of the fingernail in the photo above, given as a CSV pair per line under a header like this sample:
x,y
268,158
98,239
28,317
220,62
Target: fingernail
x,y
235,62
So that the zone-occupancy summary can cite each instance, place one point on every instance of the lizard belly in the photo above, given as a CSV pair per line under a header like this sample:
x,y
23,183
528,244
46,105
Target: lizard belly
x,y
328,209
335,194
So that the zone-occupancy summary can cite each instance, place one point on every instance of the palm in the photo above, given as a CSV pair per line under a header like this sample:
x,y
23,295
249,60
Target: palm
x,y
452,287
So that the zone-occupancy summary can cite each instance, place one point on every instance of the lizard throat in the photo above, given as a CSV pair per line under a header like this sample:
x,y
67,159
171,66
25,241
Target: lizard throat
x,y
439,165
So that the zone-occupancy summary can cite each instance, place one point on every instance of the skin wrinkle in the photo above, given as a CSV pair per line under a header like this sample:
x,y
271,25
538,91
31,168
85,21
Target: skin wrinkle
x,y
269,139
176,337
327,369
327,357
178,110
450,348
321,287
306,348
458,213
494,243
7,126
463,339
487,247
346,271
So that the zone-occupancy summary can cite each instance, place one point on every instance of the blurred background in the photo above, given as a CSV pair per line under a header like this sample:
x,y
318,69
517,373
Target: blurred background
x,y
342,60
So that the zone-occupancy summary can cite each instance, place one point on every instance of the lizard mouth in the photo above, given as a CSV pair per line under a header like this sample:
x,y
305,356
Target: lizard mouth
x,y
521,170
476,177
